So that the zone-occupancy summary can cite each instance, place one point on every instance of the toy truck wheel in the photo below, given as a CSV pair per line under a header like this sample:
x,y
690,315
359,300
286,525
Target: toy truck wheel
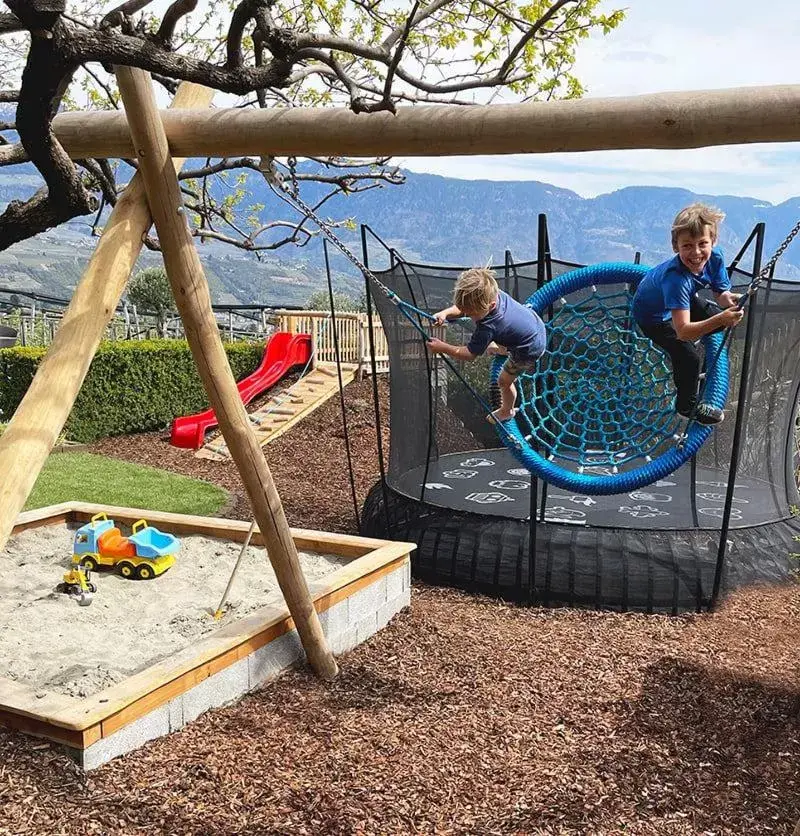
x,y
126,569
145,572
89,563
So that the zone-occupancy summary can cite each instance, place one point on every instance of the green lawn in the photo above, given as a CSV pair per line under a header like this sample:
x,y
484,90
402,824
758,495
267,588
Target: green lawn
x,y
85,477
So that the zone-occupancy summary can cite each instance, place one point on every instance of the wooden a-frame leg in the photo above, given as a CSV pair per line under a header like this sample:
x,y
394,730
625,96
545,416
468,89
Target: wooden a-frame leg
x,y
193,299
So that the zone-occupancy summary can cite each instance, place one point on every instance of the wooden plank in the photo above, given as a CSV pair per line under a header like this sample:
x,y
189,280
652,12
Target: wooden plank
x,y
315,400
193,300
77,739
273,420
38,517
43,411
21,698
326,600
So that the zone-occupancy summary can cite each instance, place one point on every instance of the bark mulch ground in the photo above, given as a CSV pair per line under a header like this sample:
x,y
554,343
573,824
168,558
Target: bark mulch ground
x,y
464,716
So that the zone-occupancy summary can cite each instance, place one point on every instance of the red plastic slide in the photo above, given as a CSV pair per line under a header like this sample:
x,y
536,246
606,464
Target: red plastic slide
x,y
282,353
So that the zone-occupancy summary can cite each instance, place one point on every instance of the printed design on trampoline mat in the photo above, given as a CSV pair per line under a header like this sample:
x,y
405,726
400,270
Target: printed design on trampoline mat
x,y
646,496
579,500
721,484
519,471
663,483
720,497
736,513
477,463
642,511
510,484
437,486
459,474
488,497
597,459
560,514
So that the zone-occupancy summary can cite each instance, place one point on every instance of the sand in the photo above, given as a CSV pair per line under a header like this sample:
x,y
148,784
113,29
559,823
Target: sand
x,y
50,642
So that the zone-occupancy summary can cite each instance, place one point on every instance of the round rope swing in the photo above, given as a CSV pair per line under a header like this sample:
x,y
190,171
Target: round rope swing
x,y
596,417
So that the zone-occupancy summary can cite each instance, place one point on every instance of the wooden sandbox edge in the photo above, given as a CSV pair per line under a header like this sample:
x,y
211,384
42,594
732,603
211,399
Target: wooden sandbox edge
x,y
81,722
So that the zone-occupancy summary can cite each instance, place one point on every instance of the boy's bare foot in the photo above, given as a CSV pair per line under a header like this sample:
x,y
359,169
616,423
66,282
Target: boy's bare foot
x,y
501,415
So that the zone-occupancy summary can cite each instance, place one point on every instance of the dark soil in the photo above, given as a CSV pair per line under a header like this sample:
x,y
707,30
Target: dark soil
x,y
464,716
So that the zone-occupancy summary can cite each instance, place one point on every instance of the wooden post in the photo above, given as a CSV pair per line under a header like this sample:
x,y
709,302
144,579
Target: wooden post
x,y
193,299
42,413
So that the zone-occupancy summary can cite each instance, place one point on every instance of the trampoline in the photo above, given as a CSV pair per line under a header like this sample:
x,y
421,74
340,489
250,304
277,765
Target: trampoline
x,y
483,522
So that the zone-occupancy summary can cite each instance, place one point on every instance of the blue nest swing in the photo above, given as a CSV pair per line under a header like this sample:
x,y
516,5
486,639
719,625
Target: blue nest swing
x,y
597,415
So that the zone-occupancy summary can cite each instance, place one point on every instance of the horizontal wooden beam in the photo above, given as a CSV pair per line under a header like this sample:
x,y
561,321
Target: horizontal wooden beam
x,y
660,120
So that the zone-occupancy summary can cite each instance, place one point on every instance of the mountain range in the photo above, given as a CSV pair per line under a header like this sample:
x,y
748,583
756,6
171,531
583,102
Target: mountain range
x,y
429,219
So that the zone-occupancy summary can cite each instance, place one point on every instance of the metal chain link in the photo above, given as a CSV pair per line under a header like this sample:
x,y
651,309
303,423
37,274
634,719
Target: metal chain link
x,y
756,283
292,163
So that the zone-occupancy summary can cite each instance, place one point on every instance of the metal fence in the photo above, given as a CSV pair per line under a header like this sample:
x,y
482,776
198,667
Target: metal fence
x,y
34,319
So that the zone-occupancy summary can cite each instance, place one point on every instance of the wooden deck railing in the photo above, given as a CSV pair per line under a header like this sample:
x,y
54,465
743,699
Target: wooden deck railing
x,y
352,332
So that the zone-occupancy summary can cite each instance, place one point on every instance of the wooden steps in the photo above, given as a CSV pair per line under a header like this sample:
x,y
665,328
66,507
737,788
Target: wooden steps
x,y
281,412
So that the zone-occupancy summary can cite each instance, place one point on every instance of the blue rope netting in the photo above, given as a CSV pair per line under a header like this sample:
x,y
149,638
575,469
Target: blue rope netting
x,y
597,416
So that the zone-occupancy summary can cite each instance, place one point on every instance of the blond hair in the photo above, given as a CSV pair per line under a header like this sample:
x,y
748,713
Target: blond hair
x,y
694,219
475,290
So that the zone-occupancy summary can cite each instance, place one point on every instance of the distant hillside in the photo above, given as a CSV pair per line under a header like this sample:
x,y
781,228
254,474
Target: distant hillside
x,y
430,219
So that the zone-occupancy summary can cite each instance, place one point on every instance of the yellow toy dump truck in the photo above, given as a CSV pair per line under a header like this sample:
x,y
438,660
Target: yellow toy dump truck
x,y
146,554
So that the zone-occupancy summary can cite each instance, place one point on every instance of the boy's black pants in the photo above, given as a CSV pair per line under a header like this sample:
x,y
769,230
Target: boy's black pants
x,y
685,357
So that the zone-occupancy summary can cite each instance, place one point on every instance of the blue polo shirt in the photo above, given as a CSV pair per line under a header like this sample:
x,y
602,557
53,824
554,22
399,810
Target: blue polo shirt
x,y
670,287
512,325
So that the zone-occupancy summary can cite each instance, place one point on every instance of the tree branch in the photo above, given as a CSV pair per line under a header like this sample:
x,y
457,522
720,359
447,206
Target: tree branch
x,y
506,66
44,80
111,47
416,18
179,9
116,16
12,154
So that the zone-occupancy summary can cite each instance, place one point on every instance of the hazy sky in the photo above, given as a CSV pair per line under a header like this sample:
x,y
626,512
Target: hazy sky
x,y
671,45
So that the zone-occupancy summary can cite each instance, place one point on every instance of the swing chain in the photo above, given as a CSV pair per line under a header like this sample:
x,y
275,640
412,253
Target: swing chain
x,y
293,193
291,162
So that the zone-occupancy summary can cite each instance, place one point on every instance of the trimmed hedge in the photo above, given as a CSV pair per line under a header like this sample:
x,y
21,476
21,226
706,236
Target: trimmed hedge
x,y
130,387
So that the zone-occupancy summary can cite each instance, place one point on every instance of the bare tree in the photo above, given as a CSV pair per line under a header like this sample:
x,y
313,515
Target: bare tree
x,y
370,54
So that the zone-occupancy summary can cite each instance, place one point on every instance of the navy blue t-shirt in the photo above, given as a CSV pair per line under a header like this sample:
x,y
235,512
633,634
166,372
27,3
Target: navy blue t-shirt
x,y
671,285
512,325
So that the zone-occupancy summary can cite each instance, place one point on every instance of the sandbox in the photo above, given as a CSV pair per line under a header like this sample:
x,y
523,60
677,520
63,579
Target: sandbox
x,y
147,657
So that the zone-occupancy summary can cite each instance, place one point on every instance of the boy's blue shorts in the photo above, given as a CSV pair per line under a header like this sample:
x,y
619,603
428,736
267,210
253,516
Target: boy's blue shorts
x,y
518,367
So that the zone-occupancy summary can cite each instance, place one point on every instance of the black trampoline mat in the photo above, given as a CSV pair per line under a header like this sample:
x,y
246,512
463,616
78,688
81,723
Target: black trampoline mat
x,y
492,482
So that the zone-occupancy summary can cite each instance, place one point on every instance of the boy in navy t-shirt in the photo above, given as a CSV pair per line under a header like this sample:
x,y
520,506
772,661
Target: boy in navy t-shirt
x,y
668,311
502,326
